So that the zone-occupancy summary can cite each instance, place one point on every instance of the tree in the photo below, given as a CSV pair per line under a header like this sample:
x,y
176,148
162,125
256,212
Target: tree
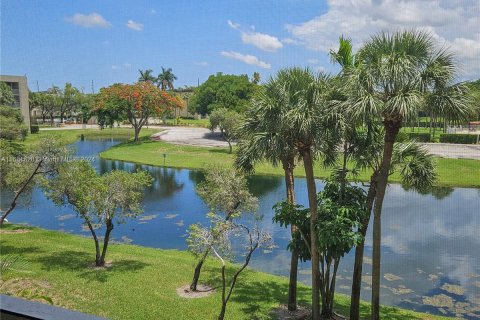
x,y
22,169
256,78
135,102
260,139
98,200
6,94
146,76
304,120
340,208
227,121
223,91
396,71
225,192
12,126
165,79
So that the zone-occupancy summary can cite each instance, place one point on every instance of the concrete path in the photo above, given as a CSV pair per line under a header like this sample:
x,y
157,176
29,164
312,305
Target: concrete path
x,y
192,136
457,151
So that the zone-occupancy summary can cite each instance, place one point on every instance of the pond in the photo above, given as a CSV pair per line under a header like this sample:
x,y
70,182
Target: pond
x,y
430,244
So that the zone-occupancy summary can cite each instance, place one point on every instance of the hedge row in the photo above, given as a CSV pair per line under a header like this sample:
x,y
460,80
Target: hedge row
x,y
459,138
419,137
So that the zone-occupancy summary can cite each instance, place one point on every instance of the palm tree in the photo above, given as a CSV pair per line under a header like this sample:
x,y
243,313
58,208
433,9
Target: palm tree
x,y
260,140
303,118
146,76
395,73
166,78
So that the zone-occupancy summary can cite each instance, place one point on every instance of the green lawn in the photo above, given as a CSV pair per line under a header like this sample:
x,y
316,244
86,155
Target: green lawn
x,y
141,283
203,123
452,172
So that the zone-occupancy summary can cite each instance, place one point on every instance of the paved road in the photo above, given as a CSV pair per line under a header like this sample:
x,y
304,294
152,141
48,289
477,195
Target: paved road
x,y
458,151
192,136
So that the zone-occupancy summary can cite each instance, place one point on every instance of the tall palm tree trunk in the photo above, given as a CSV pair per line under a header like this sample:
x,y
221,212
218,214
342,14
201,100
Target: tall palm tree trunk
x,y
391,130
359,251
292,285
315,259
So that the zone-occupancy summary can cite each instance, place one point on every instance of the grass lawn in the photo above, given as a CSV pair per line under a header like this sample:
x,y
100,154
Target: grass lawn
x,y
141,283
452,172
203,123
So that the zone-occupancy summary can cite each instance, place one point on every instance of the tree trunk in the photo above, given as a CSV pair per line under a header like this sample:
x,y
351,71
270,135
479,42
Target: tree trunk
x,y
391,130
229,146
137,133
288,167
101,262
198,269
13,204
359,250
312,201
95,239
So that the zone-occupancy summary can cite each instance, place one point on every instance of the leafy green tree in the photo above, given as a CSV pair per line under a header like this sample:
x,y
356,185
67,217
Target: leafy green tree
x,y
227,122
98,200
256,78
6,94
12,126
223,91
166,78
260,139
146,76
396,73
340,211
21,170
225,192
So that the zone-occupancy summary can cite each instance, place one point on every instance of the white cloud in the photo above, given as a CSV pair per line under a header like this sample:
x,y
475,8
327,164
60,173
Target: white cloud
x,y
115,67
453,23
127,65
260,40
248,59
313,61
137,26
124,66
233,25
92,20
289,41
153,11
202,63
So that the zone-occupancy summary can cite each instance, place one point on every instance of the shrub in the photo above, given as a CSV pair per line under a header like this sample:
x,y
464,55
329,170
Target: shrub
x,y
401,137
34,129
11,124
419,136
459,138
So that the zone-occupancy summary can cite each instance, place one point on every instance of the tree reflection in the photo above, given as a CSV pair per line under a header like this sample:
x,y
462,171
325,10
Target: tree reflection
x,y
438,192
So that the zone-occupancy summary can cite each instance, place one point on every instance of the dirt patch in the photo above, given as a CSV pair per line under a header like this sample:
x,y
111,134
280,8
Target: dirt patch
x,y
3,231
108,264
202,291
31,289
282,313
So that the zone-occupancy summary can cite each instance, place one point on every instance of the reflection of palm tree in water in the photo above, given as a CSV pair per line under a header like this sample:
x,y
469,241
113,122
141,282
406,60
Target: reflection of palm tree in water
x,y
438,192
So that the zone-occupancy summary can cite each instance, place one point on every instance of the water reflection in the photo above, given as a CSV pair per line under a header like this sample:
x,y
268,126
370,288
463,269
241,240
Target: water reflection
x,y
430,255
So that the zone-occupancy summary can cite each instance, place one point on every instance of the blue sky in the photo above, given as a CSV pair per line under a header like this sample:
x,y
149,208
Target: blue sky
x,y
107,41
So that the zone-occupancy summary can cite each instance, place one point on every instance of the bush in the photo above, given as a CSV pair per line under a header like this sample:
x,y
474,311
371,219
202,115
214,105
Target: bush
x,y
459,138
401,137
419,136
34,129
11,124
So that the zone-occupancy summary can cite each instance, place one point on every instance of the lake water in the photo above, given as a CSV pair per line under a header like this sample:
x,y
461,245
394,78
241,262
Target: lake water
x,y
430,243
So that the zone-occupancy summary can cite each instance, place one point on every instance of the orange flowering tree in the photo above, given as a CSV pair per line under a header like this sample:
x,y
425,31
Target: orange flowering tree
x,y
135,102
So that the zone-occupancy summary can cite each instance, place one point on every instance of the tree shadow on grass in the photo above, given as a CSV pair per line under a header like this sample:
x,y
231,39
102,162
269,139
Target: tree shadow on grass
x,y
83,264
6,249
253,295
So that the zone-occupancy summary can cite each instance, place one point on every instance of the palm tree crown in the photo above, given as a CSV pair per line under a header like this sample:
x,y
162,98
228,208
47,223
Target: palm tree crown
x,y
166,78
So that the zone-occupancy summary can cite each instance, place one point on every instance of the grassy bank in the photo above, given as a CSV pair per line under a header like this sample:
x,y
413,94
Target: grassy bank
x,y
141,283
452,172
